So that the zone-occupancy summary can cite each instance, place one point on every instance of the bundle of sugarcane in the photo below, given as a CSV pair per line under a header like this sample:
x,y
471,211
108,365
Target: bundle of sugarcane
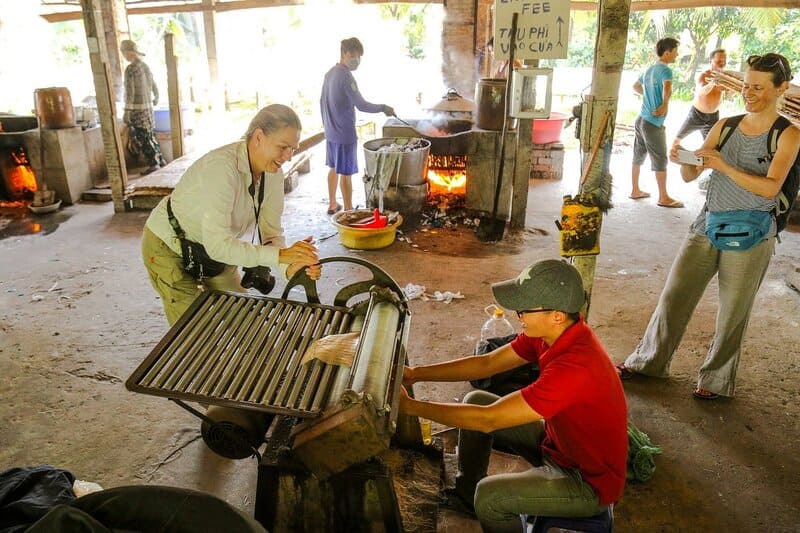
x,y
788,105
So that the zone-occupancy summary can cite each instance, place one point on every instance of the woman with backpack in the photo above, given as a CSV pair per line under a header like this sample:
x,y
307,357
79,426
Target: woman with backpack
x,y
733,236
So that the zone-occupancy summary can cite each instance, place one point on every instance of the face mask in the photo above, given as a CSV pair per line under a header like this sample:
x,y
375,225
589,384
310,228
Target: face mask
x,y
353,62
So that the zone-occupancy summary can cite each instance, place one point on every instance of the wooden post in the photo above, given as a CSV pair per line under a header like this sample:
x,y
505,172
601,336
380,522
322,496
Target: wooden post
x,y
174,93
522,173
612,35
106,107
209,28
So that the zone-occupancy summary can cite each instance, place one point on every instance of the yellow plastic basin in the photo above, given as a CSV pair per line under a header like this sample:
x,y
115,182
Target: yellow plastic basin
x,y
365,238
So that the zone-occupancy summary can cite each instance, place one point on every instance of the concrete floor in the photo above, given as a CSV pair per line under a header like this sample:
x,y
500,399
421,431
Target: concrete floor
x,y
77,315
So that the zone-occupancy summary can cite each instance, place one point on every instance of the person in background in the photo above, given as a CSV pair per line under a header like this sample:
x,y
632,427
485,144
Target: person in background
x,y
339,100
141,94
229,192
570,424
655,86
743,177
707,99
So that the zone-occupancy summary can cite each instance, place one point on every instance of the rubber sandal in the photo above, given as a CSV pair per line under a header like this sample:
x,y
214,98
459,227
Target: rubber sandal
x,y
334,211
624,372
702,394
641,196
676,203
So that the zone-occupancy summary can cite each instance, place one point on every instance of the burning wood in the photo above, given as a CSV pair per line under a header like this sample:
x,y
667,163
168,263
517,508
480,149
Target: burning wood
x,y
20,181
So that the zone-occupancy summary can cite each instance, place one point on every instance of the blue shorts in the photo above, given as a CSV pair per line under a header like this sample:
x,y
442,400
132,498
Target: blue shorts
x,y
342,157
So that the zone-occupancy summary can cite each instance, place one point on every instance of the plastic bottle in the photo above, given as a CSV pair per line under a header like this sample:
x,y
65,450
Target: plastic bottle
x,y
496,326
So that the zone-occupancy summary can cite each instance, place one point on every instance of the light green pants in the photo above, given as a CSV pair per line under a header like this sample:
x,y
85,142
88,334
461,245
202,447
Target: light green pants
x,y
547,489
177,288
739,275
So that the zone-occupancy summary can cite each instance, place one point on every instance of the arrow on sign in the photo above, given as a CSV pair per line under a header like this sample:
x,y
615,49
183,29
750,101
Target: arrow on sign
x,y
560,25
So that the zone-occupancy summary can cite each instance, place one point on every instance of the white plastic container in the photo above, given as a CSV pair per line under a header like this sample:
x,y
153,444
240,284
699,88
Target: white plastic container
x,y
496,326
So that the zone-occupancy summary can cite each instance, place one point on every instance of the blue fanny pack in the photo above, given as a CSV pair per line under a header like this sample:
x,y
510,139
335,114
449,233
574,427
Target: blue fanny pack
x,y
737,230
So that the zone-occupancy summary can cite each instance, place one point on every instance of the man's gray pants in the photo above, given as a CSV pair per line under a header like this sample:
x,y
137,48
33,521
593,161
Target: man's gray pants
x,y
740,274
546,490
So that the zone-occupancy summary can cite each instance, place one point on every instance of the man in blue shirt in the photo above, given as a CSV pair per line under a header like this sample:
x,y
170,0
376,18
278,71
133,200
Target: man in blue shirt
x,y
340,98
655,86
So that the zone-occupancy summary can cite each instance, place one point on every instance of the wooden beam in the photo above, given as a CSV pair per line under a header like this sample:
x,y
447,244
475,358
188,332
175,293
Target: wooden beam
x,y
216,98
182,8
174,92
649,5
576,5
115,160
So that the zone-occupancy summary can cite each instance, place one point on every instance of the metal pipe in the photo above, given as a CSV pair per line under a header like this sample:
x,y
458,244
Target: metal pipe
x,y
242,389
276,362
186,337
233,378
207,357
188,364
232,353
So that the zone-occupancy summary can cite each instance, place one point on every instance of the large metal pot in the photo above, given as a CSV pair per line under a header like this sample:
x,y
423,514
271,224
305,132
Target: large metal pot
x,y
413,166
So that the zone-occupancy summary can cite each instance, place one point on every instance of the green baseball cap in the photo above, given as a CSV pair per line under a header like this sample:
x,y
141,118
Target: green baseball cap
x,y
548,284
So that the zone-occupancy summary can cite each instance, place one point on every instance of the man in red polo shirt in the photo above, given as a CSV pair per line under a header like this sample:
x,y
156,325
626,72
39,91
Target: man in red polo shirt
x,y
570,424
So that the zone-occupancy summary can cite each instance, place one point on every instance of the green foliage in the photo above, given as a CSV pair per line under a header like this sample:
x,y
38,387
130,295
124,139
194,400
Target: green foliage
x,y
414,29
70,40
703,29
583,32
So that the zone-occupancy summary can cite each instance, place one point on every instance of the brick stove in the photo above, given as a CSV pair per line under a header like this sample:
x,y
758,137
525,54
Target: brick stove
x,y
474,152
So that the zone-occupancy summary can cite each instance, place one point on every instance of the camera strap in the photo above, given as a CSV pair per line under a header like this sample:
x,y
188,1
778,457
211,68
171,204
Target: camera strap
x,y
174,221
257,205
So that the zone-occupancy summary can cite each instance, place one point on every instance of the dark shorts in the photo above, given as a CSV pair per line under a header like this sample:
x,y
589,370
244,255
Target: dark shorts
x,y
697,120
342,157
650,140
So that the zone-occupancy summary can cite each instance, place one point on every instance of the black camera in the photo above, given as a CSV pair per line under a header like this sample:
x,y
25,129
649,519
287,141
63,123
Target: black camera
x,y
259,278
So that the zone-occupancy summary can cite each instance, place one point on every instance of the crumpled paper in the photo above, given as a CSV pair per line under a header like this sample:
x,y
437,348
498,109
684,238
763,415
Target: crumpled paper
x,y
336,350
418,291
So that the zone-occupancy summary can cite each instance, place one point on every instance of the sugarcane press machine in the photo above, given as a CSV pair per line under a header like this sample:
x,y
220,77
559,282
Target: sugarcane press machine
x,y
325,426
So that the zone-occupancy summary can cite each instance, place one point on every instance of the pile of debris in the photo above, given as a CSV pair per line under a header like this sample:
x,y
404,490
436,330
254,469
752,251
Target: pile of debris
x,y
788,106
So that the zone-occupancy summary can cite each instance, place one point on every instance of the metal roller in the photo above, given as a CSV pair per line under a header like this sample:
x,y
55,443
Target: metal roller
x,y
342,378
373,362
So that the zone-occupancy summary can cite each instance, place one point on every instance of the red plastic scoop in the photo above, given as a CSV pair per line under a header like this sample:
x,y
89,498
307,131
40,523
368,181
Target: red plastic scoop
x,y
375,221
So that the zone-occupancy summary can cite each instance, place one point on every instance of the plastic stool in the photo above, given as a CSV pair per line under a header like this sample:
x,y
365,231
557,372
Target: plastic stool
x,y
599,523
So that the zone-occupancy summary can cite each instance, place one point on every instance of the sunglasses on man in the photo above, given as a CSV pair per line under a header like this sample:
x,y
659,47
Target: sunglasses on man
x,y
526,311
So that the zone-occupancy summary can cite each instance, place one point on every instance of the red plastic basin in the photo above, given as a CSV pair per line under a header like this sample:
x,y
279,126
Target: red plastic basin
x,y
548,130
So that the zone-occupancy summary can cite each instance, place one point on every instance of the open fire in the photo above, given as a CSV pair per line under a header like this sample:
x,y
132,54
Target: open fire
x,y
19,179
447,182
447,174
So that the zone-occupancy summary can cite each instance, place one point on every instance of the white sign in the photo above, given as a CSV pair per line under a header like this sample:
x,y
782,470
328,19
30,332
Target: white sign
x,y
542,29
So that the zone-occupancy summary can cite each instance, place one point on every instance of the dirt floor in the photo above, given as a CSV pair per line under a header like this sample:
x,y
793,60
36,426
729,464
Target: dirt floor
x,y
77,315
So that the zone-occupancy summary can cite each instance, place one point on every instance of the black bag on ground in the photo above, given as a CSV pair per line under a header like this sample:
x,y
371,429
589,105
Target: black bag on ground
x,y
196,261
510,380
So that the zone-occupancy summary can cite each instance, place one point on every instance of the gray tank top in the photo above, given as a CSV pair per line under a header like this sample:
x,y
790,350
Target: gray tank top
x,y
749,153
